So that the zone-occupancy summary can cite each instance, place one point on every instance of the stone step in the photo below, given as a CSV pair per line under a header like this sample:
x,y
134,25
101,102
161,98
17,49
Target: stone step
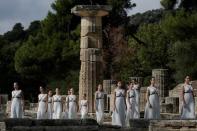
x,y
56,128
11,123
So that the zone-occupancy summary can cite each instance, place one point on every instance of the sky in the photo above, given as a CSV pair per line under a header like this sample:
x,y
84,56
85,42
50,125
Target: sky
x,y
144,5
26,11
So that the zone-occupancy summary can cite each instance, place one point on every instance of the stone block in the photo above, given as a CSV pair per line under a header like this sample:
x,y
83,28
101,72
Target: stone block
x,y
166,108
23,128
72,128
170,116
2,126
56,128
139,123
161,81
10,123
195,98
89,122
59,122
30,114
175,103
189,123
91,54
107,86
142,98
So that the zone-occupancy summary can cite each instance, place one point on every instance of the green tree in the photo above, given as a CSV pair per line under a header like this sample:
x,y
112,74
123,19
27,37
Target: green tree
x,y
168,4
16,34
154,54
188,4
34,28
181,27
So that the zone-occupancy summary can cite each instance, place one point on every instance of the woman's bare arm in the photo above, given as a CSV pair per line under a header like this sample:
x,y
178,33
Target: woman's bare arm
x,y
114,100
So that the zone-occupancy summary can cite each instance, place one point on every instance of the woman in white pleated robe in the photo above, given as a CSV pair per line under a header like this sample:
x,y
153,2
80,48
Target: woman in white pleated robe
x,y
136,88
50,105
42,104
99,104
72,105
152,108
84,107
188,104
119,113
17,102
57,105
131,99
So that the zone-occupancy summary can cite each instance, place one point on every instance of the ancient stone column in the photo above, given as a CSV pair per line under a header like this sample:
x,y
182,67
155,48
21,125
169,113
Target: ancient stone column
x,y
91,48
161,76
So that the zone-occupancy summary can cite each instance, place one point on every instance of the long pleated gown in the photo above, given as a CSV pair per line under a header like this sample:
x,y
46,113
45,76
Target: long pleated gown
x,y
137,103
72,108
188,110
84,109
16,105
99,95
42,106
131,105
152,112
119,115
57,107
50,108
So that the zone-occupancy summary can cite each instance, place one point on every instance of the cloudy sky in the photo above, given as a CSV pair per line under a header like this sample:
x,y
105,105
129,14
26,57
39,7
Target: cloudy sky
x,y
25,11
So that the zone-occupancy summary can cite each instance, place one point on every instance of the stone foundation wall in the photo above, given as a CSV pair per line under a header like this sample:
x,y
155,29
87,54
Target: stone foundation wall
x,y
91,125
163,125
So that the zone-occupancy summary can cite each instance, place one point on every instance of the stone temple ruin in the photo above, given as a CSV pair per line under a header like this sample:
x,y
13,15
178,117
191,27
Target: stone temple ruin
x,y
90,76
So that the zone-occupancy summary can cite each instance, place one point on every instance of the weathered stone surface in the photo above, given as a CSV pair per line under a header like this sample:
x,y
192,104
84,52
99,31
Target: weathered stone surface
x,y
161,76
139,123
107,86
30,114
91,125
2,126
175,103
56,128
19,123
91,49
166,108
91,10
169,116
91,54
22,128
142,98
10,123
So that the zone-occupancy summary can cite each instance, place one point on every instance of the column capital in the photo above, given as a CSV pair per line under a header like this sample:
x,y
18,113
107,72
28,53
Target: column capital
x,y
91,10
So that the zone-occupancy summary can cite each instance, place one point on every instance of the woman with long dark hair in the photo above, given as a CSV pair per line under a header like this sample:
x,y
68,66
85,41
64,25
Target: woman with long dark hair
x,y
136,88
99,104
119,114
131,102
188,105
72,105
57,105
17,102
84,107
152,108
42,104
